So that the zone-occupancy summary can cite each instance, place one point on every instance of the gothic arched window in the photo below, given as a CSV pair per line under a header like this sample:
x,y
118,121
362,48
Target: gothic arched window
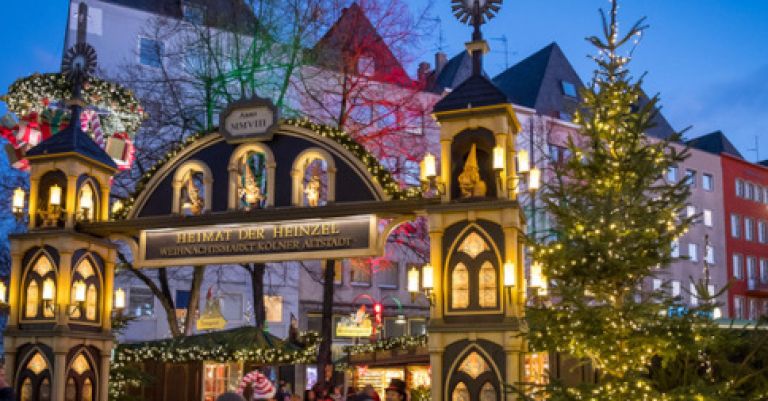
x,y
460,393
460,287
86,277
40,293
488,287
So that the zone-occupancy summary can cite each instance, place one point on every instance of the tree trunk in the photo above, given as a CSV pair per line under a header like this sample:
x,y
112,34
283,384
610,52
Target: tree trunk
x,y
326,328
257,286
194,299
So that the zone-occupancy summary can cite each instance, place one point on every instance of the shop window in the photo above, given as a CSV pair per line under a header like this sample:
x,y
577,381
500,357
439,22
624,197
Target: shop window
x,y
488,286
141,302
394,329
460,392
460,287
218,379
418,327
273,304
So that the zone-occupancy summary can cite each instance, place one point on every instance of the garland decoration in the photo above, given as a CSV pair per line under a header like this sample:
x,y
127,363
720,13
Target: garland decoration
x,y
227,346
379,172
387,344
112,117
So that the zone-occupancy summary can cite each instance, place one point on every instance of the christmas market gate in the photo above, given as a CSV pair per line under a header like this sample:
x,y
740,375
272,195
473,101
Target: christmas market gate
x,y
292,191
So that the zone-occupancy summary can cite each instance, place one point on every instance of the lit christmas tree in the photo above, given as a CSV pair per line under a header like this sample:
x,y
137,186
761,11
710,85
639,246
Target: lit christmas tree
x,y
615,218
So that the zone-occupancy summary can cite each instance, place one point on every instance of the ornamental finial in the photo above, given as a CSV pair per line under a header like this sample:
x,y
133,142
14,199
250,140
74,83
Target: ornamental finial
x,y
475,13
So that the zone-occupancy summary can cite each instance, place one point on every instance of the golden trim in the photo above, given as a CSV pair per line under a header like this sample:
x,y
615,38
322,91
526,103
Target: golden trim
x,y
64,155
373,249
446,259
481,109
289,130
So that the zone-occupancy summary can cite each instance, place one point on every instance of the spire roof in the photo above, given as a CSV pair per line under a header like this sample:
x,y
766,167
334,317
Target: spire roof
x,y
72,140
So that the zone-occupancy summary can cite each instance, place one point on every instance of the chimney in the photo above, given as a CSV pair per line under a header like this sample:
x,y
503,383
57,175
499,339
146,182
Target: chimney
x,y
440,61
423,71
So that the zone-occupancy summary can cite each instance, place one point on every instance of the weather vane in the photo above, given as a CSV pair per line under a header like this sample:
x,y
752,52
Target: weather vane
x,y
475,13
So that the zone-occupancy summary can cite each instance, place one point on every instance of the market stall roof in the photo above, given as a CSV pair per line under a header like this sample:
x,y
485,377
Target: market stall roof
x,y
242,343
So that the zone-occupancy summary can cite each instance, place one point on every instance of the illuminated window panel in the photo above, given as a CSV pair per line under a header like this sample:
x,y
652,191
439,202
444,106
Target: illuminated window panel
x,y
488,286
460,287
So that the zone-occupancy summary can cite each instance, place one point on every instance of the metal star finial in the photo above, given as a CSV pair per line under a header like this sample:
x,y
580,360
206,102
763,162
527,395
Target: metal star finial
x,y
475,12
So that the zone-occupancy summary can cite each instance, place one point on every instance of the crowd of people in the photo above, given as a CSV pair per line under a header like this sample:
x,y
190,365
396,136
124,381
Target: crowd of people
x,y
396,391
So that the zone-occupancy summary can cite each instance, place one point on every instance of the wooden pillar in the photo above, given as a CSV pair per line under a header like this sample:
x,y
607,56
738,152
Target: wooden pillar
x,y
71,201
510,255
63,288
104,210
34,190
15,291
59,375
108,292
445,167
103,382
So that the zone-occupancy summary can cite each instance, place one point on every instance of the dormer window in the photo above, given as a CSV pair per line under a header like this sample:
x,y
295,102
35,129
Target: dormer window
x,y
193,13
569,88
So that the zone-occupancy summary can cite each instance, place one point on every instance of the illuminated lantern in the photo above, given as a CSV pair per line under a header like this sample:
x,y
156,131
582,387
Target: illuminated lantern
x,y
48,289
79,289
534,180
430,167
523,161
86,199
428,278
509,274
119,298
18,200
413,280
3,289
498,158
54,198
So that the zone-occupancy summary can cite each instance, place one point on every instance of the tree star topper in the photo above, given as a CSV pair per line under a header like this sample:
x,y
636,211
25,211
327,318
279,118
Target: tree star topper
x,y
475,12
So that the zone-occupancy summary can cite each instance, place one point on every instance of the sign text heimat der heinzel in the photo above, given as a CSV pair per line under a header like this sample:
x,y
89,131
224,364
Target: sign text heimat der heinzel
x,y
256,242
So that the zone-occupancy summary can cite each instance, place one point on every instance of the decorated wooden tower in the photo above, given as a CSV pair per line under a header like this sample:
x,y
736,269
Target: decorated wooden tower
x,y
475,278
59,337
